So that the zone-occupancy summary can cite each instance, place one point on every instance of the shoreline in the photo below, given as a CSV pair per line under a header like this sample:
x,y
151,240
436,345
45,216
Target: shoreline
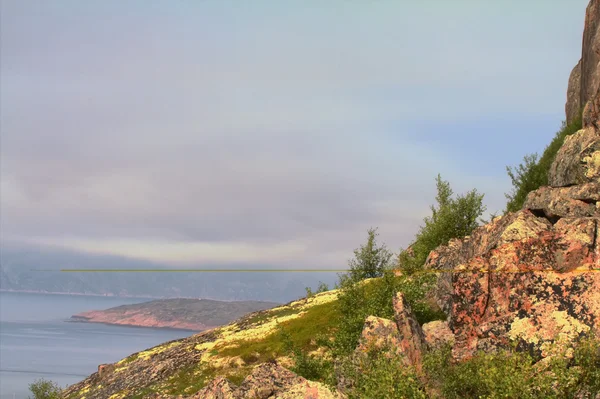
x,y
88,321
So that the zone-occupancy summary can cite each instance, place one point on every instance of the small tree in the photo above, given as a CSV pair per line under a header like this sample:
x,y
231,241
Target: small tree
x,y
370,260
44,389
451,218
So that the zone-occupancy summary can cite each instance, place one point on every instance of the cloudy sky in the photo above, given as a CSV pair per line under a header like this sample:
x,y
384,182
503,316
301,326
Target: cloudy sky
x,y
217,132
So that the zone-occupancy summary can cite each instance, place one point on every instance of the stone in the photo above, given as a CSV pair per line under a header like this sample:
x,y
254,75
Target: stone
x,y
412,340
584,80
104,369
573,105
577,161
219,388
379,334
437,334
267,380
574,201
524,279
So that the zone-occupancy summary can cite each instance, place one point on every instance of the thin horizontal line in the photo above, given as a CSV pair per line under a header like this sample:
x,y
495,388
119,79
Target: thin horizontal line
x,y
198,270
298,271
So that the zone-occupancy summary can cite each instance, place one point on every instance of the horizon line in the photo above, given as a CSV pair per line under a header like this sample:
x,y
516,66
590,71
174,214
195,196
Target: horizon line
x,y
431,271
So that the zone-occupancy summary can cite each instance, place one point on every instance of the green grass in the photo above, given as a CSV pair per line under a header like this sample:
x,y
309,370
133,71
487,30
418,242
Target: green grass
x,y
266,315
318,320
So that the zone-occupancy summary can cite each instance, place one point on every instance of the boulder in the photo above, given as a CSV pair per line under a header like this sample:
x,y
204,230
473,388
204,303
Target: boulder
x,y
577,161
410,334
437,334
219,388
267,380
402,337
574,201
379,333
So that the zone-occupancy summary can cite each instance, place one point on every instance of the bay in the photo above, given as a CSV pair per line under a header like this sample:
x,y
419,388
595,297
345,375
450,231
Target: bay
x,y
37,342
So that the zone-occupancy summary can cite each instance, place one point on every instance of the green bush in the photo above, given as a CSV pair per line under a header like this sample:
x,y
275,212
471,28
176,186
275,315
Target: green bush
x,y
533,172
380,375
308,366
44,389
513,374
370,260
452,218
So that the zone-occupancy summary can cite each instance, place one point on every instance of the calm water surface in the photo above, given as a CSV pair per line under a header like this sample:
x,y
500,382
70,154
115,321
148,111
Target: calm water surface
x,y
36,342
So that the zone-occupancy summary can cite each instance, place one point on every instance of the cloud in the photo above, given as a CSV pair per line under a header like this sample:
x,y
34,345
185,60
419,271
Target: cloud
x,y
214,132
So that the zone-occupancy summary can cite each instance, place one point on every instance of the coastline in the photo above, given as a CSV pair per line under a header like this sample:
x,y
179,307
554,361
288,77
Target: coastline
x,y
79,319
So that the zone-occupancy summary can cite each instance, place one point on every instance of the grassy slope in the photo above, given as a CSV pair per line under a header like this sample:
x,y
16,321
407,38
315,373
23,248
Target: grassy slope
x,y
185,366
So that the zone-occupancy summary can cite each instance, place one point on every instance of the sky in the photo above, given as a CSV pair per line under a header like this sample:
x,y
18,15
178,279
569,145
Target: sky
x,y
221,132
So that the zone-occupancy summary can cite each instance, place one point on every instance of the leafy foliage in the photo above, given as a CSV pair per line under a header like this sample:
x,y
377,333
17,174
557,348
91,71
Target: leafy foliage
x,y
321,288
532,173
308,366
370,260
44,389
379,374
512,374
451,218
359,298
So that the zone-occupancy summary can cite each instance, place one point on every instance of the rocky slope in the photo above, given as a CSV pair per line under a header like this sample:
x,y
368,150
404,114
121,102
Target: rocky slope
x,y
530,277
183,367
187,314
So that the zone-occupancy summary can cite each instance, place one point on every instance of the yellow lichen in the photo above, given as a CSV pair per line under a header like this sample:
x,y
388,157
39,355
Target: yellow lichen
x,y
156,350
522,228
593,165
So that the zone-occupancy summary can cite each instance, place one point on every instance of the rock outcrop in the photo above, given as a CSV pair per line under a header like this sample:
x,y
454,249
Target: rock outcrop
x,y
584,80
268,380
403,335
530,276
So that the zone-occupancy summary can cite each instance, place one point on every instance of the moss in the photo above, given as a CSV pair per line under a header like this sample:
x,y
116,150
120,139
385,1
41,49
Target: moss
x,y
317,320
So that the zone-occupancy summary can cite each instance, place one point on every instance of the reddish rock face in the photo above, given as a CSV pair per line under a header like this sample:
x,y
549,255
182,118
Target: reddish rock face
x,y
403,335
584,81
531,277
437,334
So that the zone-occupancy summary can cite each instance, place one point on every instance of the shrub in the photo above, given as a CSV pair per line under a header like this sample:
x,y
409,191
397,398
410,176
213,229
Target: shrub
x,y
452,218
370,260
44,389
533,172
308,366
512,374
379,374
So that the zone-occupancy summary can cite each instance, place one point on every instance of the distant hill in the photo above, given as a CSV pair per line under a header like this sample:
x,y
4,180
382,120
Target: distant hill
x,y
38,270
189,314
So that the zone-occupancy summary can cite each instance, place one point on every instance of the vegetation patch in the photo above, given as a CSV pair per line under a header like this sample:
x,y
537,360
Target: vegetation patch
x,y
532,173
315,321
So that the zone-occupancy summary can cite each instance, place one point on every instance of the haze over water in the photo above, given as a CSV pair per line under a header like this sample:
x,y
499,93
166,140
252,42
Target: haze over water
x,y
36,342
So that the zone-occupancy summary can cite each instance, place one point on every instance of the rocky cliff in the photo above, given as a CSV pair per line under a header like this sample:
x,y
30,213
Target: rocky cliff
x,y
584,80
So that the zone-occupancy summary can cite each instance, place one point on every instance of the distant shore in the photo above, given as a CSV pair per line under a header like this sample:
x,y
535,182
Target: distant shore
x,y
80,319
82,294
